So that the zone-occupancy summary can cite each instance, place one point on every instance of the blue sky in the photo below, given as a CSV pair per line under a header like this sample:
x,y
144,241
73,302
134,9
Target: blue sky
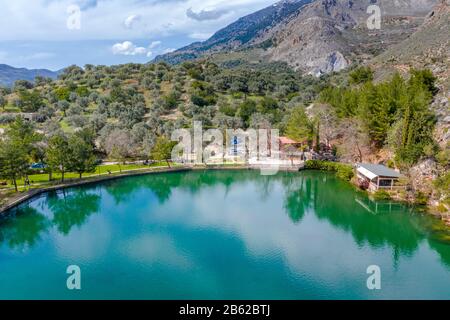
x,y
56,33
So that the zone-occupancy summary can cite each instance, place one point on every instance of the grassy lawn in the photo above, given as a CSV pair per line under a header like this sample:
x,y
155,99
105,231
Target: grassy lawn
x,y
38,180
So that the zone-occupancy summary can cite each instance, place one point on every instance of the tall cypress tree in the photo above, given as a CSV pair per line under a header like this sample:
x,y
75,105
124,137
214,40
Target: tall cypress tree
x,y
418,120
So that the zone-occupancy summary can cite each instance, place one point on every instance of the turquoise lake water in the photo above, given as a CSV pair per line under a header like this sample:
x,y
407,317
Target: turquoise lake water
x,y
221,235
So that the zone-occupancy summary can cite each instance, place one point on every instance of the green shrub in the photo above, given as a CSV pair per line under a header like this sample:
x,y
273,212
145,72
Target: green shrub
x,y
443,157
7,118
343,171
441,208
361,75
390,164
381,195
421,198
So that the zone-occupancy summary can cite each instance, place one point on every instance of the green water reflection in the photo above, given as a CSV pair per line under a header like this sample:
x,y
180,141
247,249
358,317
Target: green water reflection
x,y
221,234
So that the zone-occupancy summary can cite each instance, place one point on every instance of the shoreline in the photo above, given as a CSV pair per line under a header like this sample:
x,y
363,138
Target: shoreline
x,y
21,198
16,201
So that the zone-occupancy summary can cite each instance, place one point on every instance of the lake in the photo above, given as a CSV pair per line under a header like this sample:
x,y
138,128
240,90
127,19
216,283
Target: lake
x,y
221,235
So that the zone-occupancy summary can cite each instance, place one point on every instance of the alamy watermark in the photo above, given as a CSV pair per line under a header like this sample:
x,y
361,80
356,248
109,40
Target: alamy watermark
x,y
374,280
74,280
374,21
217,147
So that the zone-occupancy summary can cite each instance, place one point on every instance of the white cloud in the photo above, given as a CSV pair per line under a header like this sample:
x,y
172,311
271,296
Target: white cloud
x,y
204,15
200,36
105,19
43,23
128,48
154,44
168,50
131,20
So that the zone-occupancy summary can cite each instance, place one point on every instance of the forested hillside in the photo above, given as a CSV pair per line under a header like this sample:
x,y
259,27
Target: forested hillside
x,y
390,109
126,112
160,97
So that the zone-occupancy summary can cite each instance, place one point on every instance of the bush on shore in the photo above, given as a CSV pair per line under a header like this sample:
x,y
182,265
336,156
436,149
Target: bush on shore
x,y
343,171
381,195
421,198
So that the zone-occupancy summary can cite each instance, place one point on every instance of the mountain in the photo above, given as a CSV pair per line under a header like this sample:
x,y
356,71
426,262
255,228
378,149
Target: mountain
x,y
428,47
328,35
237,34
314,37
8,74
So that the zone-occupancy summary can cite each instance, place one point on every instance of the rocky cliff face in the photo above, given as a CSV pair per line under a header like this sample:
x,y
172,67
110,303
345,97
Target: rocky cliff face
x,y
328,35
428,47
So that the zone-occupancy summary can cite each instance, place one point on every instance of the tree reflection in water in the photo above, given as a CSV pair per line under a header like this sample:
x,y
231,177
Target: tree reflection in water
x,y
161,184
393,224
321,194
72,208
298,196
24,229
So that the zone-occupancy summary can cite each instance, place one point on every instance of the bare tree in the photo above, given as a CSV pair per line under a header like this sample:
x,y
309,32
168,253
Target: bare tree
x,y
355,141
119,145
326,116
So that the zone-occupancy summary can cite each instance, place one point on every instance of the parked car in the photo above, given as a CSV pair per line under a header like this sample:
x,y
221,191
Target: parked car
x,y
38,166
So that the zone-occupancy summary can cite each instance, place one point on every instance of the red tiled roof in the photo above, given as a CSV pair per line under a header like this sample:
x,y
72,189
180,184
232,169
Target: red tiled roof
x,y
286,140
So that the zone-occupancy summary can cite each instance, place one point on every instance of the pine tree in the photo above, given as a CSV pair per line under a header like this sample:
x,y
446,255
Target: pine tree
x,y
81,157
299,126
418,120
373,113
13,160
57,156
162,151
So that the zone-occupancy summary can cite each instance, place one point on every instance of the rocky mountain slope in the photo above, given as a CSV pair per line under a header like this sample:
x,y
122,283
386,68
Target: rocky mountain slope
x,y
428,47
313,36
239,33
8,74
328,35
